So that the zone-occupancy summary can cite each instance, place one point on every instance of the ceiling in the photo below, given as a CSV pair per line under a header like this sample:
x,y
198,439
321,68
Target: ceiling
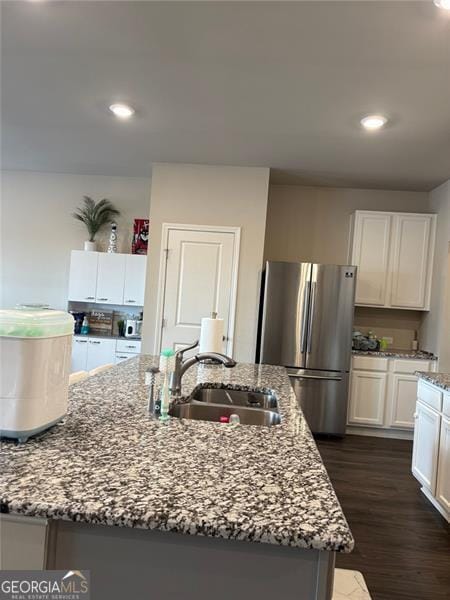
x,y
277,84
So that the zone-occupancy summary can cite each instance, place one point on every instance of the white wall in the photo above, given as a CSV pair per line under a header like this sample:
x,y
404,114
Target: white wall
x,y
210,195
435,330
38,231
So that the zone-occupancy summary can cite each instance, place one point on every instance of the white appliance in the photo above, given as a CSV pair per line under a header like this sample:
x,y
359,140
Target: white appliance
x,y
35,351
133,328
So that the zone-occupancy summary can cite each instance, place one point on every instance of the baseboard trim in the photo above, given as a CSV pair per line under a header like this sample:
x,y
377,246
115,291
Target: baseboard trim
x,y
435,503
397,434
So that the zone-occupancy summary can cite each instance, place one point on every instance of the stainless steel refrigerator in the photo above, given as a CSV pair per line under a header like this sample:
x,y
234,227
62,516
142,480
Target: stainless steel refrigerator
x,y
305,324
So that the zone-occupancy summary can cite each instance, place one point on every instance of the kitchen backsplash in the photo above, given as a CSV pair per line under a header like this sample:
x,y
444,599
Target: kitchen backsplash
x,y
401,325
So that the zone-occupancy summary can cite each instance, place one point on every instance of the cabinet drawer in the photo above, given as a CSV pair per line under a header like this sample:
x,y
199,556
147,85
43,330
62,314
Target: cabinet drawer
x,y
370,363
446,405
128,346
429,395
121,357
407,365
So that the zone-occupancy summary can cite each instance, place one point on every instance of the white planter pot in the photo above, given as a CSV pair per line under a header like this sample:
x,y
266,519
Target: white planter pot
x,y
90,246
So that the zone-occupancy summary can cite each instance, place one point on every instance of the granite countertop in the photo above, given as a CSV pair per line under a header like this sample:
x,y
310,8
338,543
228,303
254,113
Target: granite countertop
x,y
397,353
110,463
441,380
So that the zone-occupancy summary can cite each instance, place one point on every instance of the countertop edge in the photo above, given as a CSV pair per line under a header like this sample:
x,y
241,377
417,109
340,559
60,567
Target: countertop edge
x,y
440,380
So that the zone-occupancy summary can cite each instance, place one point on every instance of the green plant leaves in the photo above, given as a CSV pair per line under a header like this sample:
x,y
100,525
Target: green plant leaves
x,y
95,215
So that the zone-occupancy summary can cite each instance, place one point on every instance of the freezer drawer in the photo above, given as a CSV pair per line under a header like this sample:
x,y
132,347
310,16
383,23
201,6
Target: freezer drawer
x,y
322,396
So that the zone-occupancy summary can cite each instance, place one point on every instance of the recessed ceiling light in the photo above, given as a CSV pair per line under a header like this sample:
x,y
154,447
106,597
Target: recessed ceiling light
x,y
442,4
122,111
373,122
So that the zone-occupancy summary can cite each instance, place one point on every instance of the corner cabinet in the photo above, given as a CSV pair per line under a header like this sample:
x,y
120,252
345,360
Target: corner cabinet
x,y
394,255
431,450
104,278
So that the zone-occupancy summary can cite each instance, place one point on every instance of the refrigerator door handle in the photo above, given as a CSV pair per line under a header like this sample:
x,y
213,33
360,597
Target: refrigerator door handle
x,y
306,295
325,378
311,315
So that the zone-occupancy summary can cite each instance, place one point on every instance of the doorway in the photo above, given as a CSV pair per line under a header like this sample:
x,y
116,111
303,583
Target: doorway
x,y
198,277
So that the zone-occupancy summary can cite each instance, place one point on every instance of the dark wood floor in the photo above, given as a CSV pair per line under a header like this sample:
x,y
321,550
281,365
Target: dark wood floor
x,y
402,543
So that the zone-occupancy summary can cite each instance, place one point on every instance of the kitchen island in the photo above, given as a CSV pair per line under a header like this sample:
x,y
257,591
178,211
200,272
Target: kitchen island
x,y
255,504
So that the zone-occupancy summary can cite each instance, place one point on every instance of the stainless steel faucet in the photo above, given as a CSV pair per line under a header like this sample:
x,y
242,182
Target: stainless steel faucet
x,y
181,366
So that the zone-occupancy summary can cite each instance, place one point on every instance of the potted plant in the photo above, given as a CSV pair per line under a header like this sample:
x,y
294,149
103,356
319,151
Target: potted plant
x,y
95,215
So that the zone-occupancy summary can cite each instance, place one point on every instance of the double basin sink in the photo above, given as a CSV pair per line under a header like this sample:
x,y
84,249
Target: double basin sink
x,y
218,404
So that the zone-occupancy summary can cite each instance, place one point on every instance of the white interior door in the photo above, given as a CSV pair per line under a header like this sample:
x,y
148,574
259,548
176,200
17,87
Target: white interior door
x,y
200,275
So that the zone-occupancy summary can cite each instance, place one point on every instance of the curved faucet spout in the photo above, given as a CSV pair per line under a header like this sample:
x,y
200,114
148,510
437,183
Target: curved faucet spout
x,y
225,360
181,366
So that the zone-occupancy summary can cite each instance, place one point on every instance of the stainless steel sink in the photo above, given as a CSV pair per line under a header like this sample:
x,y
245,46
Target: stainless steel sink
x,y
203,411
235,398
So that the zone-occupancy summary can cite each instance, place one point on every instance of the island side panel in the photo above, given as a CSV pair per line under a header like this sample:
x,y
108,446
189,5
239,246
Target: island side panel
x,y
23,542
137,563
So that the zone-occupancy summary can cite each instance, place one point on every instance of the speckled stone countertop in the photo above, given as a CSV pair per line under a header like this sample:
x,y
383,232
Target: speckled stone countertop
x,y
394,353
110,463
441,380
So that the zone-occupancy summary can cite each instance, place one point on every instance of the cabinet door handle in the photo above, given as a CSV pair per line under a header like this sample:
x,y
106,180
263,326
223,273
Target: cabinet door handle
x,y
81,341
94,342
121,356
90,298
102,299
130,301
130,346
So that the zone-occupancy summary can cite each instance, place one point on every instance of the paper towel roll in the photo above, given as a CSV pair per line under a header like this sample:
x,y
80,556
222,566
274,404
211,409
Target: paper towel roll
x,y
211,335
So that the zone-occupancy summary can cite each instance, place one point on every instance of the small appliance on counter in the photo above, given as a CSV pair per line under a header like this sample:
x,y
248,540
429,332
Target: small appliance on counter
x,y
35,348
133,328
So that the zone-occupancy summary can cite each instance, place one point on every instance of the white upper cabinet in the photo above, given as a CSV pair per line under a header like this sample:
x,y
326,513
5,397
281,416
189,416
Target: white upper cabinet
x,y
134,289
107,278
394,254
110,278
411,261
371,239
83,276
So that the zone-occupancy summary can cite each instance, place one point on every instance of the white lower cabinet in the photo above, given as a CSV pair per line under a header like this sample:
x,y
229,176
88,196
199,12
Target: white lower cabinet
x,y
100,352
402,392
90,352
425,449
383,393
431,451
367,394
443,476
79,354
121,357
